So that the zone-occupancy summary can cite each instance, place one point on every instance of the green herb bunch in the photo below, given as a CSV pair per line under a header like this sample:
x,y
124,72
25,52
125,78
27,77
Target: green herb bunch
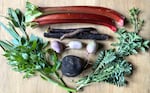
x,y
131,42
29,54
110,66
134,19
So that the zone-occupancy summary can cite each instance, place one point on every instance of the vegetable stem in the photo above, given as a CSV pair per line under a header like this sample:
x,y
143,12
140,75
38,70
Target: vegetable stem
x,y
56,83
136,24
61,80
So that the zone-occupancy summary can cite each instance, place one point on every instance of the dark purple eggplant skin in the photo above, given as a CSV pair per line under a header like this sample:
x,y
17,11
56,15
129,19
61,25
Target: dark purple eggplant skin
x,y
72,65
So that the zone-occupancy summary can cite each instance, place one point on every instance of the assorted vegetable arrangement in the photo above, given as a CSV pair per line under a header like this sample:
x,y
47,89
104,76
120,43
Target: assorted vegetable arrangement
x,y
31,55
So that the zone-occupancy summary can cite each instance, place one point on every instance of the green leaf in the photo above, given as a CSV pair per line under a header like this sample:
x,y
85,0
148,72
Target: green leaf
x,y
34,45
58,65
25,56
5,45
32,12
134,51
33,37
10,30
146,43
143,49
18,19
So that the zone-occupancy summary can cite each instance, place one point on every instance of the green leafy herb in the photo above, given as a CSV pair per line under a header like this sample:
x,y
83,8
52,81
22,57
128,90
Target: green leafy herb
x,y
110,68
32,12
29,54
130,43
11,30
134,19
18,19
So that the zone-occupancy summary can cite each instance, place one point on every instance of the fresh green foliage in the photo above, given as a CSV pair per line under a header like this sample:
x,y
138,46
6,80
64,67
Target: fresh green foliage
x,y
29,57
134,19
110,68
32,12
130,43
11,30
17,18
5,45
29,54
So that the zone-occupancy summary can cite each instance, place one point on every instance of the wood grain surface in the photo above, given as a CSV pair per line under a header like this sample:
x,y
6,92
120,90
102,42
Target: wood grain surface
x,y
139,82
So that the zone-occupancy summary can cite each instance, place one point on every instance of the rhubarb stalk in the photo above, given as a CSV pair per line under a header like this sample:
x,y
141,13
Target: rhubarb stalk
x,y
34,11
76,18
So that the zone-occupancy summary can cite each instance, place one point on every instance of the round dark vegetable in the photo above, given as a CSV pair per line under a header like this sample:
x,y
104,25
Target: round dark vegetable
x,y
72,65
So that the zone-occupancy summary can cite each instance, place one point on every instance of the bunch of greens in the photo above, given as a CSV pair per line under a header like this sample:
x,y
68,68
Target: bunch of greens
x,y
111,67
134,19
32,12
28,54
130,43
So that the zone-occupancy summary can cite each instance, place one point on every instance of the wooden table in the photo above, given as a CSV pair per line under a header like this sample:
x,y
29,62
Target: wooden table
x,y
139,82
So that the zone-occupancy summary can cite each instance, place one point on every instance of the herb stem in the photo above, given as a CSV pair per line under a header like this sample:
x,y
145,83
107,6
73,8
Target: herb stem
x,y
136,24
25,33
61,80
56,83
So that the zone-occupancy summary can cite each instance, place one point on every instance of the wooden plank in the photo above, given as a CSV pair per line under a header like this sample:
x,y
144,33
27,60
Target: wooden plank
x,y
139,82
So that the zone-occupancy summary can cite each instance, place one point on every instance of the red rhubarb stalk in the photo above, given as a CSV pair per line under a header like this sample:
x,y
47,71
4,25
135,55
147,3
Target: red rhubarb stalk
x,y
76,18
86,9
112,27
